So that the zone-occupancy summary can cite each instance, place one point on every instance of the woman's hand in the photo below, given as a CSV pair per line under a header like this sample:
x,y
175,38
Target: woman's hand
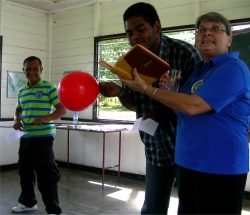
x,y
137,83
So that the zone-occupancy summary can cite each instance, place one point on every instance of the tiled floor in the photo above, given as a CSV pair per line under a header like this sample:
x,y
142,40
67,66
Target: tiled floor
x,y
82,193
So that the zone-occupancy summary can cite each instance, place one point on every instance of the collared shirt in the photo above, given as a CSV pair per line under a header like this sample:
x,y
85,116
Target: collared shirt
x,y
159,149
216,141
37,101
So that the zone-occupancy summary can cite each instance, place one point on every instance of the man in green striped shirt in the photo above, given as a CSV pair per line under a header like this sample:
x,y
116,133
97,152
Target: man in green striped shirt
x,y
34,114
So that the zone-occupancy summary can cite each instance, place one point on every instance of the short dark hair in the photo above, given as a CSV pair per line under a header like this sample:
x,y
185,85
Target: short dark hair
x,y
214,17
31,58
145,10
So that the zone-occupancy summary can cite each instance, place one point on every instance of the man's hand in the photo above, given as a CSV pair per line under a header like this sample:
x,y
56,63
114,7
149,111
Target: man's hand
x,y
57,113
39,121
152,115
18,125
163,81
109,89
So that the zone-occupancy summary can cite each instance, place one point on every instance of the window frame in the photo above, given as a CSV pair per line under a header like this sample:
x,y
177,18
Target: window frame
x,y
1,50
96,66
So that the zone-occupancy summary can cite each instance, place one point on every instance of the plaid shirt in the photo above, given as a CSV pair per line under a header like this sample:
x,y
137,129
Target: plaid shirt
x,y
159,149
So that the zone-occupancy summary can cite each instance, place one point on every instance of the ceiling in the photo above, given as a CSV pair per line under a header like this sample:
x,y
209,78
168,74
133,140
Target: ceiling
x,y
53,5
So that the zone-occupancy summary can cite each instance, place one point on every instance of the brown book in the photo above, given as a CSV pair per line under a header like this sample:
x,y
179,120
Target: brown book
x,y
149,66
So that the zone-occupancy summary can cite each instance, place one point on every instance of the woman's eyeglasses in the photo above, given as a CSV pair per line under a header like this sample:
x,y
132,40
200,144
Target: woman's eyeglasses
x,y
213,29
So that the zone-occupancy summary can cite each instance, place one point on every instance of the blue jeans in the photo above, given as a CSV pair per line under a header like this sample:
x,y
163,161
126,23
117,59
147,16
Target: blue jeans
x,y
159,183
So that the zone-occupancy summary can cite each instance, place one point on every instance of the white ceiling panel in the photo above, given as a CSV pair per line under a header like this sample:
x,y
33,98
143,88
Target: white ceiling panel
x,y
52,5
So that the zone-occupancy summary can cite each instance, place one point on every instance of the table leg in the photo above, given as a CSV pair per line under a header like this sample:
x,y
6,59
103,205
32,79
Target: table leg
x,y
119,156
103,157
68,152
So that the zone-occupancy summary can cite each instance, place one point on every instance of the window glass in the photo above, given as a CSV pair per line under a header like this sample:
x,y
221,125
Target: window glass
x,y
240,27
187,36
111,108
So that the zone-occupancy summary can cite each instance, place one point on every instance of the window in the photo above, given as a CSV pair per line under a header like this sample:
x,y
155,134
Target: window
x,y
110,48
1,48
110,108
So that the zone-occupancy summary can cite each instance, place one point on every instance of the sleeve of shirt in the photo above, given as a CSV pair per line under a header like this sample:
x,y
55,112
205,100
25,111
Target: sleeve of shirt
x,y
18,105
226,84
53,95
125,87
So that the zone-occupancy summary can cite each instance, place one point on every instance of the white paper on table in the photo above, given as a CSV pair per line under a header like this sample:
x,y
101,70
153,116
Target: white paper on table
x,y
148,125
13,136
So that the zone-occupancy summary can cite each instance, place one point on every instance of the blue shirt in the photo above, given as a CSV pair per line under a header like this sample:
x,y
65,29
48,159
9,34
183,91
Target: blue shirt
x,y
159,149
216,142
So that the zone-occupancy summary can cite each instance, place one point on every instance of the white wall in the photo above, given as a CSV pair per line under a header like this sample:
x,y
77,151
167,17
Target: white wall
x,y
86,148
65,41
8,152
73,45
24,34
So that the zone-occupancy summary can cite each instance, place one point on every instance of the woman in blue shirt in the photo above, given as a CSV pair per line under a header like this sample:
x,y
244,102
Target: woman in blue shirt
x,y
213,110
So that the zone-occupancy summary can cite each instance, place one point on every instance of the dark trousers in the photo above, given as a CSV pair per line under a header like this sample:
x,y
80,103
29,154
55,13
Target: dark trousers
x,y
202,193
159,184
36,159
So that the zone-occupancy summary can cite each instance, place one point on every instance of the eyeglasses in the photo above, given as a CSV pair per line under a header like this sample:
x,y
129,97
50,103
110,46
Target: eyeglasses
x,y
213,29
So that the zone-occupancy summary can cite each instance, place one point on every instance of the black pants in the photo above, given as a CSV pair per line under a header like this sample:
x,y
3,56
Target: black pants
x,y
36,158
201,193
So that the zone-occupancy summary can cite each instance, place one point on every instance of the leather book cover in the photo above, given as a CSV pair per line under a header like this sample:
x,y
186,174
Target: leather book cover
x,y
149,66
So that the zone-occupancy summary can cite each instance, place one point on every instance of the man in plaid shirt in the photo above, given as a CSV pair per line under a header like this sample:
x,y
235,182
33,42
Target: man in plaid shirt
x,y
142,26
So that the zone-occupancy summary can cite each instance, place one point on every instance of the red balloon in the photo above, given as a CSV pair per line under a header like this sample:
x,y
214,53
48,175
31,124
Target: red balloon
x,y
78,90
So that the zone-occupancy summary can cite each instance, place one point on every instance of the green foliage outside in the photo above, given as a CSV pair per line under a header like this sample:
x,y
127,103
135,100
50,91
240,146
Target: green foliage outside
x,y
111,51
187,36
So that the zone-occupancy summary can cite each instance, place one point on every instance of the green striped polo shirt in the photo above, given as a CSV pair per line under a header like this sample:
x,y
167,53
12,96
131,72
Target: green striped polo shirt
x,y
34,102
